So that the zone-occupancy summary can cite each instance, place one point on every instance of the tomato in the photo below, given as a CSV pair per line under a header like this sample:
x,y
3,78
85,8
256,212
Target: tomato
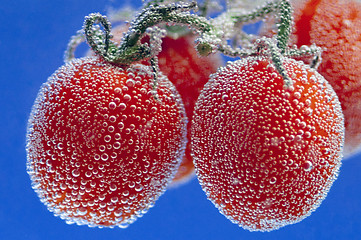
x,y
180,62
266,155
102,146
334,25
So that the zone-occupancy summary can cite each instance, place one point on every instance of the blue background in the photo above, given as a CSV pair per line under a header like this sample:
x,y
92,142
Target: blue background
x,y
33,37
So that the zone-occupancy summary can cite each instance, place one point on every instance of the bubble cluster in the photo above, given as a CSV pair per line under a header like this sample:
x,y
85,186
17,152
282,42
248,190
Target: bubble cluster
x,y
267,155
179,61
97,153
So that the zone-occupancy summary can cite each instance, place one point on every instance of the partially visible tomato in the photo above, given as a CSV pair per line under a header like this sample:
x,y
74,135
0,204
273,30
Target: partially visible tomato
x,y
189,72
101,145
267,155
335,26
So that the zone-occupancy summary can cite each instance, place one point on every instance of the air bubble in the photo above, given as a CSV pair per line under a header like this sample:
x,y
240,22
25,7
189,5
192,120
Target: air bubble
x,y
122,106
111,129
82,211
139,188
60,146
117,90
112,105
273,180
307,166
107,138
102,148
113,187
127,98
308,111
130,83
104,157
112,118
153,110
75,173
116,145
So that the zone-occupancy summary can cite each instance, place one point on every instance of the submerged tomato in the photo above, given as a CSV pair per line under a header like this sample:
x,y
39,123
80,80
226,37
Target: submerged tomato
x,y
334,25
101,145
266,156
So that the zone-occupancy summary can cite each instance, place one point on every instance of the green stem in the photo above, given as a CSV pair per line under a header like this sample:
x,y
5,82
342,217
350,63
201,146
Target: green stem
x,y
284,20
130,49
276,56
74,42
284,25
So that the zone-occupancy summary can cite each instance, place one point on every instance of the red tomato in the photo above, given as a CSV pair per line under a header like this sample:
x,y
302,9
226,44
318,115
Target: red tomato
x,y
180,62
101,147
335,26
266,156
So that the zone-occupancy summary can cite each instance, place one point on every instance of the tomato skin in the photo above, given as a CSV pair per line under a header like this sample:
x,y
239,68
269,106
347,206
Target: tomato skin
x,y
101,148
266,156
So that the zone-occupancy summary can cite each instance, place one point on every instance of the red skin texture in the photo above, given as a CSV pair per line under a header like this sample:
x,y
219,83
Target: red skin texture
x,y
101,148
266,156
335,26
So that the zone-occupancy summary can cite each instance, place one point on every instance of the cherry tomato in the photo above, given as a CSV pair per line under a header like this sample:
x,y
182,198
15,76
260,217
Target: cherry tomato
x,y
266,155
102,145
334,25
